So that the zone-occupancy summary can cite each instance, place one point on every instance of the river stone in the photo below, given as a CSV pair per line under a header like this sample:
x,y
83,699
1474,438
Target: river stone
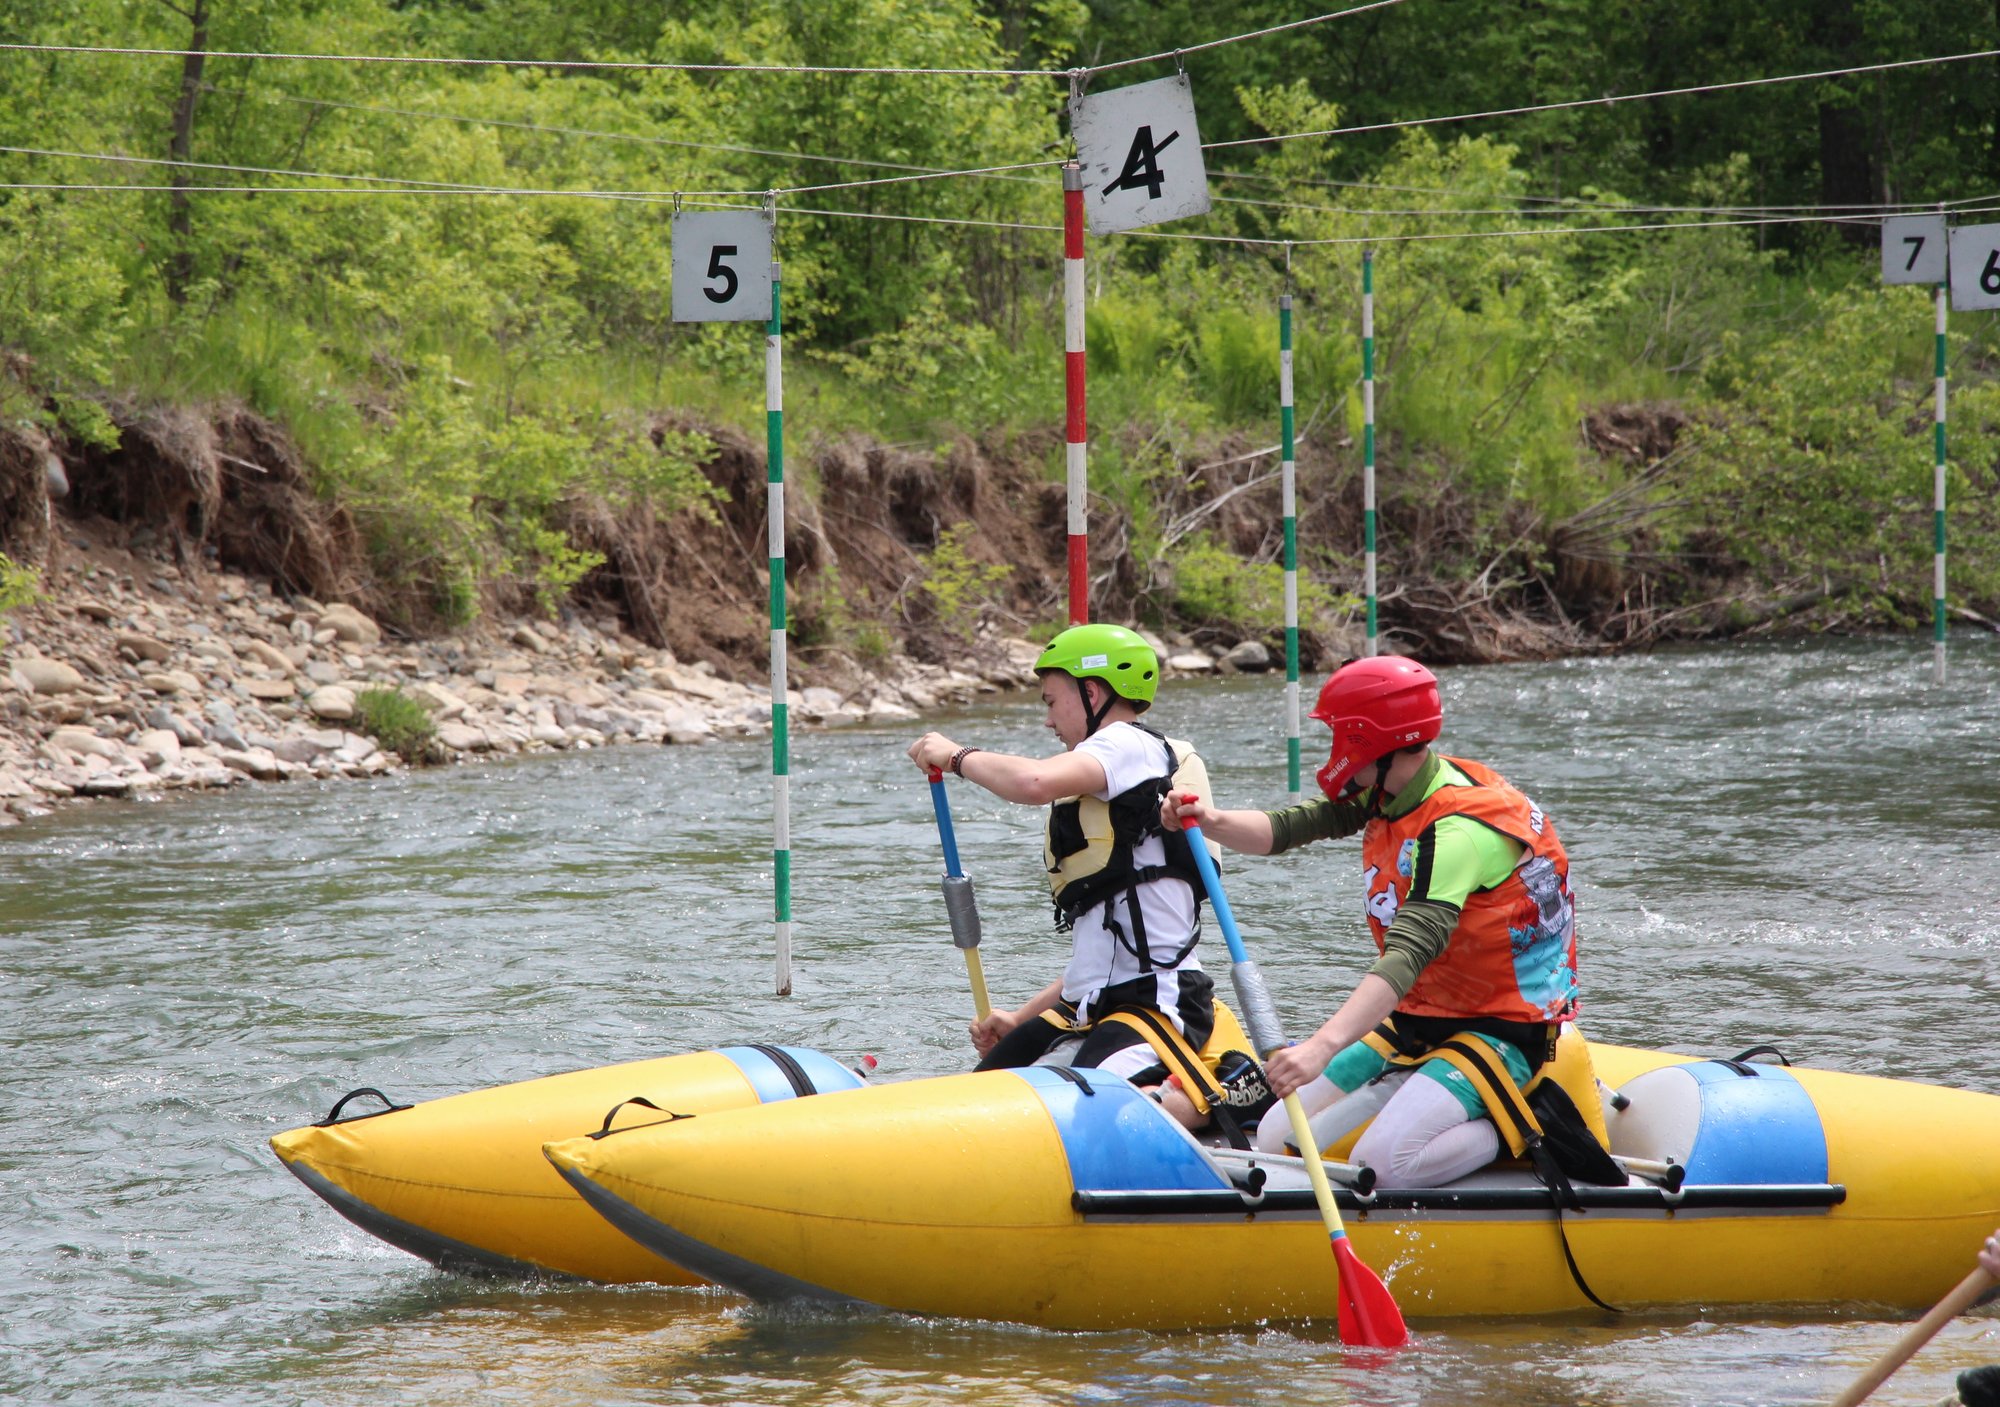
x,y
159,748
269,689
332,702
42,676
269,656
349,624
144,647
1192,662
171,682
160,716
84,743
296,750
257,762
1250,657
224,733
460,738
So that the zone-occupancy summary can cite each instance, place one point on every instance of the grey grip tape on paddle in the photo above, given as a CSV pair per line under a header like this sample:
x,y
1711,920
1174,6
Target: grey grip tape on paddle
x,y
1259,1015
961,909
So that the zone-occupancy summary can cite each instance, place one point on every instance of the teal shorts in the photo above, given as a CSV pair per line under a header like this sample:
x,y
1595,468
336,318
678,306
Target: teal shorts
x,y
1359,1063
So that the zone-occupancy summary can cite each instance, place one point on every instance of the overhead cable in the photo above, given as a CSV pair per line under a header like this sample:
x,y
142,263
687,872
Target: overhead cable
x,y
1607,100
1237,38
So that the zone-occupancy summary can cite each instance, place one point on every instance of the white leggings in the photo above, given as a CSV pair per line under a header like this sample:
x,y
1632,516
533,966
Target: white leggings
x,y
1421,1135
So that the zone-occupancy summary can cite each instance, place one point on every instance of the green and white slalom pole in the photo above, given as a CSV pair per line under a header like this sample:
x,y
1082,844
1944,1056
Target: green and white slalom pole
x,y
1290,473
781,782
1937,512
1368,447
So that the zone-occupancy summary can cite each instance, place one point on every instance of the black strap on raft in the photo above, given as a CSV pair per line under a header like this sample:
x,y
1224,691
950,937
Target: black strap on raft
x,y
643,1103
1741,1063
801,1082
1074,1076
1193,1071
390,1107
1478,1054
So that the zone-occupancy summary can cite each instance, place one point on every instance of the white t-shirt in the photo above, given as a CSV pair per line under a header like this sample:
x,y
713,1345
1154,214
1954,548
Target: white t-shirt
x,y
1098,960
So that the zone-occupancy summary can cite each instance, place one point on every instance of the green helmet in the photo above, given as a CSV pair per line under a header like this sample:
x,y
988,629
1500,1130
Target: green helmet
x,y
1108,652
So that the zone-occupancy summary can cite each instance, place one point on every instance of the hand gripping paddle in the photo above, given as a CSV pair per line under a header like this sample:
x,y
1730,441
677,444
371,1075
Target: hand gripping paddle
x,y
958,901
1368,1314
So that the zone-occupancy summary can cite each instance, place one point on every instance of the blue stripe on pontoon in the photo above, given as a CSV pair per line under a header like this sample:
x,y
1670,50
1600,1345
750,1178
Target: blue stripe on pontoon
x,y
826,1073
1755,1129
1116,1139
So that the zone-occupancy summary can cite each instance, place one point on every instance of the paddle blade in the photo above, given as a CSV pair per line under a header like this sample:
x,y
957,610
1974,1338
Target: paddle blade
x,y
1368,1314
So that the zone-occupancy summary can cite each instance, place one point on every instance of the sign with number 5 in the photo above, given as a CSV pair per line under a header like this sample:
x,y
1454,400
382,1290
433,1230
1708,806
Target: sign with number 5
x,y
1975,267
1141,155
1913,249
722,266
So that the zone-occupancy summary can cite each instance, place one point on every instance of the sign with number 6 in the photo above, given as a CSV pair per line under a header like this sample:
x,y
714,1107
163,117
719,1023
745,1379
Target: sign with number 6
x,y
1141,155
1913,249
1975,267
722,266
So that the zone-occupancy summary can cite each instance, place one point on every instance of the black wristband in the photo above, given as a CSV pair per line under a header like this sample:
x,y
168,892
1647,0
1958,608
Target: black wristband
x,y
957,768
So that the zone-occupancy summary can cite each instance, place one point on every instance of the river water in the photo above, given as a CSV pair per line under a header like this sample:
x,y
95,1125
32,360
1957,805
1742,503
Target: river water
x,y
1791,843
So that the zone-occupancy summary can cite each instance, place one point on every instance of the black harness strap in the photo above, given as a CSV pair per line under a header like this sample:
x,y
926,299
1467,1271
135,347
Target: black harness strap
x,y
1560,1188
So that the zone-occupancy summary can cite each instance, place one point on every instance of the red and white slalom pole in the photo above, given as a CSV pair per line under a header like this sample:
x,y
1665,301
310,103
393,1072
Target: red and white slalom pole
x,y
1073,373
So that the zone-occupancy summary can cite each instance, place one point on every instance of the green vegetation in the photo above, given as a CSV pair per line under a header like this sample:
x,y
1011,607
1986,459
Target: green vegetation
x,y
469,373
396,721
19,585
960,589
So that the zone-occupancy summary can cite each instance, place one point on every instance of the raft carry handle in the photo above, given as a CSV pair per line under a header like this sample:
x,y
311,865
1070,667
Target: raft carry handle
x,y
390,1106
606,1131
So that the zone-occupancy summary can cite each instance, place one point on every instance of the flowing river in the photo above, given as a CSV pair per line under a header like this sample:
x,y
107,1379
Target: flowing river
x,y
1789,843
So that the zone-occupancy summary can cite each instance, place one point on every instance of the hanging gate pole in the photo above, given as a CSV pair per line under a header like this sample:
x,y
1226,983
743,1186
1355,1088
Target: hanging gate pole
x,y
1937,512
1073,386
1290,472
1368,446
774,430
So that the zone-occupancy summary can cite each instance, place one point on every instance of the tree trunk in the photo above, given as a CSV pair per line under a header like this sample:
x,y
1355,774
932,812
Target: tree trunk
x,y
180,217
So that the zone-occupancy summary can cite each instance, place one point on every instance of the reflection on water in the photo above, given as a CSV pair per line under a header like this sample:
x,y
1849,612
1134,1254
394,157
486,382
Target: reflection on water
x,y
1788,843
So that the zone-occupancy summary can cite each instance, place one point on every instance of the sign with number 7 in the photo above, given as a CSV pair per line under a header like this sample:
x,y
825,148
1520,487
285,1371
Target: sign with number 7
x,y
1141,155
1913,249
1975,267
722,266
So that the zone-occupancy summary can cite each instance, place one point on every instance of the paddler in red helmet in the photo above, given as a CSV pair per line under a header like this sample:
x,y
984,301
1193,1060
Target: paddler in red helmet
x,y
1455,1029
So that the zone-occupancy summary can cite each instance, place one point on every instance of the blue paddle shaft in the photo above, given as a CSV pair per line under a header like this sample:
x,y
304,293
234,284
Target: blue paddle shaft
x,y
1259,1012
942,806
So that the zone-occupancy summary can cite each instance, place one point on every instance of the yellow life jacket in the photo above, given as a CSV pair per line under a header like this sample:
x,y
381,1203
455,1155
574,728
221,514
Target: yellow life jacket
x,y
1088,843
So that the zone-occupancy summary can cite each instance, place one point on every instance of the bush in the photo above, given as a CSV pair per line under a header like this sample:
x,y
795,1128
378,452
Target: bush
x,y
19,585
398,722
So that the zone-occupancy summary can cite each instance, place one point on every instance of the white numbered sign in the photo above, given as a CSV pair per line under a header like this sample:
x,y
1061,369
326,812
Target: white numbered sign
x,y
1141,155
1913,249
722,266
1975,266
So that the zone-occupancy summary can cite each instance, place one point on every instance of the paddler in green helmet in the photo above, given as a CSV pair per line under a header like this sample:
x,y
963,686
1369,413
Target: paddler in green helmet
x,y
1125,889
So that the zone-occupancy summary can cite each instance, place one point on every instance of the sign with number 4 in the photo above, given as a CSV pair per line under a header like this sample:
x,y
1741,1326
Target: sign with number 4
x,y
1141,155
1975,267
722,266
1913,249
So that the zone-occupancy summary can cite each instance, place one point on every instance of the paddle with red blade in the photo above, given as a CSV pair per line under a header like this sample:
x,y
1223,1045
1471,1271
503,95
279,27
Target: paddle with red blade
x,y
1368,1314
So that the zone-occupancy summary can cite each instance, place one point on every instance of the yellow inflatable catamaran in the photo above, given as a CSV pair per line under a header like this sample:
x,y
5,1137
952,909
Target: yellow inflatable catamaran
x,y
462,1182
1069,1200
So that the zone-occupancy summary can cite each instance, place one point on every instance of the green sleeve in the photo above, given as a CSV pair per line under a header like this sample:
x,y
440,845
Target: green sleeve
x,y
1322,819
1453,858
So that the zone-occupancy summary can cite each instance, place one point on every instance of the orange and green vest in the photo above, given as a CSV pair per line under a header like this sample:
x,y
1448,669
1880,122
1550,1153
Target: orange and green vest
x,y
1513,953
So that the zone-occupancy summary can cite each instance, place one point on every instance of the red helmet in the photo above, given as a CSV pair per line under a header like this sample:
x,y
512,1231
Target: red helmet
x,y
1375,706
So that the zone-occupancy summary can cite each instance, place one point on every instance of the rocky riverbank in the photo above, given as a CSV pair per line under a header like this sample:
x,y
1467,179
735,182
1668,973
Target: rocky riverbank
x,y
135,676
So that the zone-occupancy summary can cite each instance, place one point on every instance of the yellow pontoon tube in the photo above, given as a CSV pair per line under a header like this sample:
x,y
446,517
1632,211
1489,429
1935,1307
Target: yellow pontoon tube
x,y
462,1182
1067,1199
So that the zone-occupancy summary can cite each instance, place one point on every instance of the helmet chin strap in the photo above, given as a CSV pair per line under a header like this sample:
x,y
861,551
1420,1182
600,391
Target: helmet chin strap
x,y
1093,718
1354,783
